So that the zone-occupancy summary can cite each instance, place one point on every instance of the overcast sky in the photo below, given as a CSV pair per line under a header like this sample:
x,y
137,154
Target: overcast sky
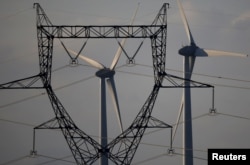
x,y
215,24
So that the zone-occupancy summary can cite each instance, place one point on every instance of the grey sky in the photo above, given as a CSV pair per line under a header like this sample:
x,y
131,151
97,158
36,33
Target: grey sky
x,y
215,24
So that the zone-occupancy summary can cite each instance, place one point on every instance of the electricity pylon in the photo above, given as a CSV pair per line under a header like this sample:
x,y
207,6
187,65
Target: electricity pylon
x,y
84,148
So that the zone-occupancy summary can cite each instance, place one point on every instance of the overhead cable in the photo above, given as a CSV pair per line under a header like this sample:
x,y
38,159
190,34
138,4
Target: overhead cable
x,y
15,13
127,72
15,160
53,159
198,74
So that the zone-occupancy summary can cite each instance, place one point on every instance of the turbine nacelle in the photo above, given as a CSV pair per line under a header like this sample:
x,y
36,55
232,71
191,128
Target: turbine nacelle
x,y
105,73
188,50
193,50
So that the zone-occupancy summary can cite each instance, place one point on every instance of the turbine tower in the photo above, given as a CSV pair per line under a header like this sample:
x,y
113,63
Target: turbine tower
x,y
107,75
190,52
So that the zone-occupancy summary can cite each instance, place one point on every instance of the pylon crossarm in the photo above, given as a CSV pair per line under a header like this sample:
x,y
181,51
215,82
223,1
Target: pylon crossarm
x,y
156,123
25,83
50,124
109,31
178,82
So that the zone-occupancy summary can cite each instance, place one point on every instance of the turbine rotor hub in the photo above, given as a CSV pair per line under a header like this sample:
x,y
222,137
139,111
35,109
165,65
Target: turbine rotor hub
x,y
188,50
105,73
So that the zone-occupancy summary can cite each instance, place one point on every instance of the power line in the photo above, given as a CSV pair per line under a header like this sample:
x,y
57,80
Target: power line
x,y
200,74
160,129
200,116
15,13
15,160
33,96
55,159
95,136
138,74
21,100
195,157
156,145
230,86
150,144
43,163
17,122
56,89
174,147
165,154
84,80
149,159
235,116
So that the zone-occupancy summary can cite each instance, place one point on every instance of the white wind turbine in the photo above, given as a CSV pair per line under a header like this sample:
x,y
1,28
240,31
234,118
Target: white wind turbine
x,y
107,75
190,52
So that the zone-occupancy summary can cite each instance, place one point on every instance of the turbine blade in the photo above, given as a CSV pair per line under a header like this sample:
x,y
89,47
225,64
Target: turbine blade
x,y
88,60
119,50
184,20
112,90
192,61
208,52
117,55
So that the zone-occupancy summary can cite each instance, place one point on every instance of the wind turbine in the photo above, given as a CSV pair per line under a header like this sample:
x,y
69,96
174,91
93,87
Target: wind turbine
x,y
107,75
190,52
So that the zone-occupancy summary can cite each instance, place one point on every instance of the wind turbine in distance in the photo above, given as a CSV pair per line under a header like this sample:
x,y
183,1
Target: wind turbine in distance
x,y
190,52
106,74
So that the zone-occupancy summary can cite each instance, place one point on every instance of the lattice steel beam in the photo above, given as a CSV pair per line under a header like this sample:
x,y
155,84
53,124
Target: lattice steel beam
x,y
33,82
178,82
85,149
111,31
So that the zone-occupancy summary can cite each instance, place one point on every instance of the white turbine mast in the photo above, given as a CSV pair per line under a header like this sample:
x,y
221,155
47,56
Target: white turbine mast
x,y
190,52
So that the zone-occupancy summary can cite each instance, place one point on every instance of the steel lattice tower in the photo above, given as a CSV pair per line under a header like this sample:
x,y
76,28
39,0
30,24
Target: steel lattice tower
x,y
84,148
